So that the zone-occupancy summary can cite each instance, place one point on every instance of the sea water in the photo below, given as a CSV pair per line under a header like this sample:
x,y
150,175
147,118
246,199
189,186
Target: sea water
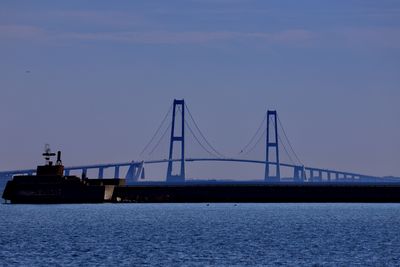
x,y
200,235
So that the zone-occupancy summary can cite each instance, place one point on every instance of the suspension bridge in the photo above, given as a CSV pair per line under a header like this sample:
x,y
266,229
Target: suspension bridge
x,y
270,136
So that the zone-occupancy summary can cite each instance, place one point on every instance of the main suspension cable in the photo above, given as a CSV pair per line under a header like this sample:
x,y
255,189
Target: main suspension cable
x,y
283,145
254,136
202,135
159,141
157,131
256,143
198,141
288,141
281,142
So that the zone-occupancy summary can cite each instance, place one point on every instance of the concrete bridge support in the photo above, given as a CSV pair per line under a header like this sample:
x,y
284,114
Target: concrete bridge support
x,y
299,173
135,171
101,173
116,171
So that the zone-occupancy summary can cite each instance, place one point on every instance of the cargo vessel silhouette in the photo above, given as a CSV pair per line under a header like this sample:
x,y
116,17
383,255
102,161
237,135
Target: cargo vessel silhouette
x,y
49,185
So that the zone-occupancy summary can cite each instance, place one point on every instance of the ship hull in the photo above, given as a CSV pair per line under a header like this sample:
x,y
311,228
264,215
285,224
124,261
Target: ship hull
x,y
52,192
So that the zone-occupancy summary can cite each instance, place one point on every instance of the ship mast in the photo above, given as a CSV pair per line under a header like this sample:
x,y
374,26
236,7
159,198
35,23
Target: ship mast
x,y
48,154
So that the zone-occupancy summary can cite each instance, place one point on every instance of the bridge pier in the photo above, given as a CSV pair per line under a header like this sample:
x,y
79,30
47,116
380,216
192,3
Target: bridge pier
x,y
303,174
116,171
101,172
298,173
135,170
320,175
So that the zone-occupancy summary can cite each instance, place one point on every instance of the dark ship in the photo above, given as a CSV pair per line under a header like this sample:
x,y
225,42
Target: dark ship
x,y
49,185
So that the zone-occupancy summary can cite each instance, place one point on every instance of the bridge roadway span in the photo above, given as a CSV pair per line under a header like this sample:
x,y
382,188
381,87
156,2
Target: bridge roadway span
x,y
135,167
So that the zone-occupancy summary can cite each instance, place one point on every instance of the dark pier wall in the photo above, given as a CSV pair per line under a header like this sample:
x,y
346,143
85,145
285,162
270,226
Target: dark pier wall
x,y
258,193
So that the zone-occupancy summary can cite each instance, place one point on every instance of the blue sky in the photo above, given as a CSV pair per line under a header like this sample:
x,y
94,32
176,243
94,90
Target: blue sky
x,y
94,78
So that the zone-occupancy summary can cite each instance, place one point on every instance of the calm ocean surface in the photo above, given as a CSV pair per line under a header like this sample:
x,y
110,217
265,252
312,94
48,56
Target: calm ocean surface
x,y
200,235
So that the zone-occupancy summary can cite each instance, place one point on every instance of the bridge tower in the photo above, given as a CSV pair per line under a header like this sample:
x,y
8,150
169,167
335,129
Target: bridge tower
x,y
180,177
272,145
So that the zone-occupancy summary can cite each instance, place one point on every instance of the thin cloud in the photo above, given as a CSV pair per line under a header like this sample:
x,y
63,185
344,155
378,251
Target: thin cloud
x,y
21,32
112,18
292,36
287,37
153,37
384,37
370,37
156,37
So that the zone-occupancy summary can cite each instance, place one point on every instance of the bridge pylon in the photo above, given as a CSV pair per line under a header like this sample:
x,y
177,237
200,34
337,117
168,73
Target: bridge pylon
x,y
179,138
272,144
